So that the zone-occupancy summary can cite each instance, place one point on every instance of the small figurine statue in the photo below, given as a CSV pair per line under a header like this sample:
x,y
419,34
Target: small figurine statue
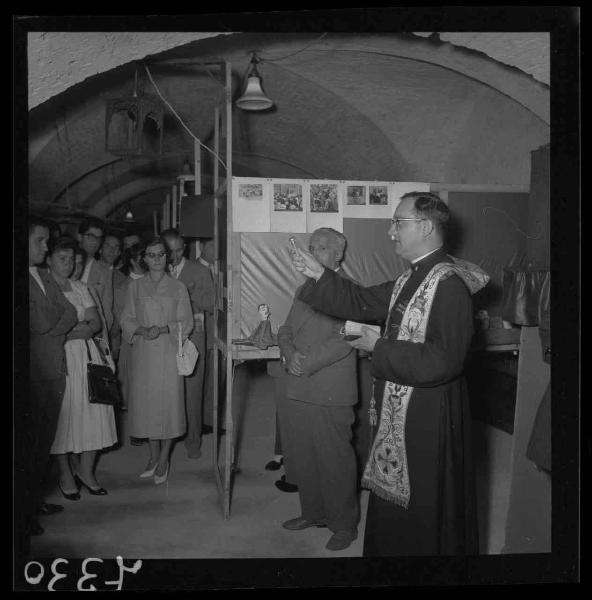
x,y
262,336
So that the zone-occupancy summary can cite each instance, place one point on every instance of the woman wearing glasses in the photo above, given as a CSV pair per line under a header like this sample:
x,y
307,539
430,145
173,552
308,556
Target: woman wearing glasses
x,y
155,307
83,428
96,275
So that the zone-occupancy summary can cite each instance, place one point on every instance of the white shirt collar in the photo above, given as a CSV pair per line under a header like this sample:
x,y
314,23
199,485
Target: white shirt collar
x,y
86,272
136,275
177,270
416,260
35,273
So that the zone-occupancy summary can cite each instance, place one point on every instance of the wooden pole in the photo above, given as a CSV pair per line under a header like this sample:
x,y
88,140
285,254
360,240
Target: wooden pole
x,y
197,167
155,221
167,212
230,435
216,145
174,206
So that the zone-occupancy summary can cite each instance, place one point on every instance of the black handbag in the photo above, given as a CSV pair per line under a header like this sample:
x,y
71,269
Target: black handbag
x,y
103,387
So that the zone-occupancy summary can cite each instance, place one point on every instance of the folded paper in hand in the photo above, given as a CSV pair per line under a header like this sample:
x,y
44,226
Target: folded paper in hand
x,y
352,328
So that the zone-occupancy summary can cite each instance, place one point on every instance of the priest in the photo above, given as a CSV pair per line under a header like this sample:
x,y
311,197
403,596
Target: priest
x,y
420,469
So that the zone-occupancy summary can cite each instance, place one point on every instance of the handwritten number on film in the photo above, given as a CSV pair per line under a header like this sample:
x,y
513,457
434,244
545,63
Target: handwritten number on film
x,y
34,573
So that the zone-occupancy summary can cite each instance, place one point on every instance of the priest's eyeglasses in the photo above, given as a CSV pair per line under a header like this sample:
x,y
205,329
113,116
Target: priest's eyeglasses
x,y
398,220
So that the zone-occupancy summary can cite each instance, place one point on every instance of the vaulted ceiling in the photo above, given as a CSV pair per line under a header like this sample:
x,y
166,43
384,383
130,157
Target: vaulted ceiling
x,y
407,107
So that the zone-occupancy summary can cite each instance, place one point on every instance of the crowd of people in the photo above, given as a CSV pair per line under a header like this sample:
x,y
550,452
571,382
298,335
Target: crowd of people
x,y
419,466
121,301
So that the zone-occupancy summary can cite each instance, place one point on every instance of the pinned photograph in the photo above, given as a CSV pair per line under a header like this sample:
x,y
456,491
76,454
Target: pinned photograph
x,y
356,194
287,197
323,197
250,191
251,204
378,194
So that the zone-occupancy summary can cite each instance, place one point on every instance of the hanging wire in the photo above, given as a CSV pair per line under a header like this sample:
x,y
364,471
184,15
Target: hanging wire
x,y
180,119
212,76
293,53
529,237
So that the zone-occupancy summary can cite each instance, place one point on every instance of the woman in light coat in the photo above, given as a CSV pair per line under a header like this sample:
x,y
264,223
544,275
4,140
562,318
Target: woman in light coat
x,y
156,306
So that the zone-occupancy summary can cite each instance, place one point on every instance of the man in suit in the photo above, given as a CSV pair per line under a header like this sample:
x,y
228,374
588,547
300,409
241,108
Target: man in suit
x,y
316,412
97,276
109,255
51,317
200,286
420,469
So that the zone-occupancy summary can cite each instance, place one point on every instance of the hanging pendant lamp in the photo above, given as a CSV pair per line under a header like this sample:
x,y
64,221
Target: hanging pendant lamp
x,y
253,97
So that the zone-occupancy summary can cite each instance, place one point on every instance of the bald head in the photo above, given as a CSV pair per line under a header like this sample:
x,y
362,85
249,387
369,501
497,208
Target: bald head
x,y
327,246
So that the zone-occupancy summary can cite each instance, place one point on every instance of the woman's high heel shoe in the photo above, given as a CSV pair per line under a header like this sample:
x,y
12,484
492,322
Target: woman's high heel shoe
x,y
148,472
158,479
94,491
70,496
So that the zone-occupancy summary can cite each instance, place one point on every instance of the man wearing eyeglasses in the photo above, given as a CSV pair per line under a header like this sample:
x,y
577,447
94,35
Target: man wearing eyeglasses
x,y
97,276
419,470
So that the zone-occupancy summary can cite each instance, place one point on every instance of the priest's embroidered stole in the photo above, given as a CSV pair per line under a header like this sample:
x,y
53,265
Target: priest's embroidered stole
x,y
386,472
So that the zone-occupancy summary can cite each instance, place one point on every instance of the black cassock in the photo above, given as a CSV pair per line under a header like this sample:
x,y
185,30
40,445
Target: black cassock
x,y
441,518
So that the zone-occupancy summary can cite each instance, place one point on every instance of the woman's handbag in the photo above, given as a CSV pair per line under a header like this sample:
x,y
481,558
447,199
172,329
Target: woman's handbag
x,y
103,387
187,355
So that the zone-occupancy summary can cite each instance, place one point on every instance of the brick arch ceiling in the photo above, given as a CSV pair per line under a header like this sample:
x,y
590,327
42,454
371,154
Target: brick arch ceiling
x,y
413,110
58,60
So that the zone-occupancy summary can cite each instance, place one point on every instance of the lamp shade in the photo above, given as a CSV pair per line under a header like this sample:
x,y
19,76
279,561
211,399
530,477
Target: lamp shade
x,y
254,98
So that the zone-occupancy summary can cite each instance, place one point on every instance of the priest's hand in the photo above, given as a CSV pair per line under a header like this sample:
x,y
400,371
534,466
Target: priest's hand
x,y
304,262
366,341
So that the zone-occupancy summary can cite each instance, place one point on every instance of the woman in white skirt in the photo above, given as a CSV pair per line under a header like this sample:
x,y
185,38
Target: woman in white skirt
x,y
83,428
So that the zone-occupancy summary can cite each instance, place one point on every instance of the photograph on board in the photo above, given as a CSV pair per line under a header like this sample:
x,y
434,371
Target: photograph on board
x,y
378,194
287,196
250,191
323,197
356,194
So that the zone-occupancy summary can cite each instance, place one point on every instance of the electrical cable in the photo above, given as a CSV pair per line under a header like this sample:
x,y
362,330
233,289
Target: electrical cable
x,y
529,237
293,53
275,159
428,62
181,120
